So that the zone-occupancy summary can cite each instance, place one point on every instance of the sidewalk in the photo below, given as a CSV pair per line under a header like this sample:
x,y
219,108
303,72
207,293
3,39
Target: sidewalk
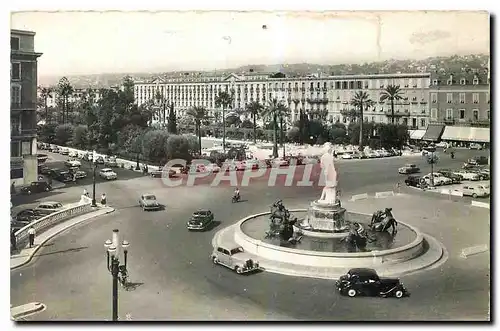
x,y
24,255
432,258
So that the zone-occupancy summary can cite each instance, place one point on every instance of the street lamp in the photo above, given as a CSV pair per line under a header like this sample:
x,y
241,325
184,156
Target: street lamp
x,y
94,167
114,267
432,160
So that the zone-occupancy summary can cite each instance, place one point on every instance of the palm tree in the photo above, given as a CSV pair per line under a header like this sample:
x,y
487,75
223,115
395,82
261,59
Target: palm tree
x,y
45,93
274,109
254,108
361,101
391,93
64,90
282,113
224,100
199,114
162,111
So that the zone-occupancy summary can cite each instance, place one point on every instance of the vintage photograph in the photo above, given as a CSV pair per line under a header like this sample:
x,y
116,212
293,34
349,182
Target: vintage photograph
x,y
250,166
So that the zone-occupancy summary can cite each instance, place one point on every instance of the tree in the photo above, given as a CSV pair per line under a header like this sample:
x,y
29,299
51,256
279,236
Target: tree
x,y
337,133
172,120
255,109
391,93
80,137
178,148
63,134
294,134
47,132
247,124
224,100
393,135
361,101
199,114
45,93
272,110
64,91
154,146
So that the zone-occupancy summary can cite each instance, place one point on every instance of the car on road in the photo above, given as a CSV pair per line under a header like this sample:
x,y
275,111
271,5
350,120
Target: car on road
x,y
108,174
442,144
455,179
61,175
36,187
200,220
364,281
235,258
371,155
73,154
347,156
27,216
64,151
43,170
413,181
149,202
79,174
467,175
54,149
476,147
475,191
49,207
73,164
110,162
280,162
438,179
99,160
482,174
409,169
485,187
212,167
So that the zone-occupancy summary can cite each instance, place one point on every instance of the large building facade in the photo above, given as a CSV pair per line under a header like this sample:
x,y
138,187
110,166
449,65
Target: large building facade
x,y
329,95
23,97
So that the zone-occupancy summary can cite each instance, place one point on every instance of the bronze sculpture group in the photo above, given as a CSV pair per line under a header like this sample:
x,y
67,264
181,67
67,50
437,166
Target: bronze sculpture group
x,y
281,226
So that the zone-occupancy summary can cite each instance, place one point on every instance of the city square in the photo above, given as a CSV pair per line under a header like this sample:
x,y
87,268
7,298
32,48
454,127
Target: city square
x,y
181,197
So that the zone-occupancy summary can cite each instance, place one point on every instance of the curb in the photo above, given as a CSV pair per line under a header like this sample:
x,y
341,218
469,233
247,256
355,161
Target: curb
x,y
359,197
480,204
38,307
30,257
384,194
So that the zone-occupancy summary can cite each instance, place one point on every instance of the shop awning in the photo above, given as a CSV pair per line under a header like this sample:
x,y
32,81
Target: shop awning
x,y
480,135
433,132
416,134
466,133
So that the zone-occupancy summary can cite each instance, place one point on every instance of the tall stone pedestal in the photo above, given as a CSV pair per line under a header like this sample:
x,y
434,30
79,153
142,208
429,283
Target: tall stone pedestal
x,y
325,220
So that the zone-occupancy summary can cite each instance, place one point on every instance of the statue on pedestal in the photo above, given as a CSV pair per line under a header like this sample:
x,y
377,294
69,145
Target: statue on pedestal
x,y
329,194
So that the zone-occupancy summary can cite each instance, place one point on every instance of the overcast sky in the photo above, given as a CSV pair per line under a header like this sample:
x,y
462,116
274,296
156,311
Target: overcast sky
x,y
94,42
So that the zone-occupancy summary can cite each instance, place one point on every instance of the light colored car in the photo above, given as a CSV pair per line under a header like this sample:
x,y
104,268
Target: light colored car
x,y
148,202
475,191
485,187
212,167
234,258
384,153
73,154
409,169
108,174
49,207
110,162
438,179
371,155
64,151
73,164
466,175
347,156
475,146
280,162
80,174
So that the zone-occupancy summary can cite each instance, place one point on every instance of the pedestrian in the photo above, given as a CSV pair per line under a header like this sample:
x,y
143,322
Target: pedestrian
x,y
31,234
74,177
13,240
103,199
85,192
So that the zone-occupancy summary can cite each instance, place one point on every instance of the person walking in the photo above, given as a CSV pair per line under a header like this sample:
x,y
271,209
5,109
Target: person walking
x,y
31,234
103,199
13,240
85,192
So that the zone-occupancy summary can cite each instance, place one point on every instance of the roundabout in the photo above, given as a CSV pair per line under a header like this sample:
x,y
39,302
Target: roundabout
x,y
178,281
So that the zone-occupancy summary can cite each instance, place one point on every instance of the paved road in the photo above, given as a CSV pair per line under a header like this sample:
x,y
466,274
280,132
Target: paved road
x,y
177,280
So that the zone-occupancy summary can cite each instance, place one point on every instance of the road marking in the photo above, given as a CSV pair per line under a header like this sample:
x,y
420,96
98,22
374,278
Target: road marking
x,y
466,252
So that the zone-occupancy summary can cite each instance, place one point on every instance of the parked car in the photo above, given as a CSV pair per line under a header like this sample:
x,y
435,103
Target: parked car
x,y
234,258
212,167
413,181
64,151
200,220
108,174
475,191
27,216
80,174
409,169
280,162
43,169
438,179
347,156
99,159
482,175
49,207
384,153
73,154
148,202
480,160
371,155
467,175
364,281
485,187
476,146
110,162
61,175
36,187
73,164
455,179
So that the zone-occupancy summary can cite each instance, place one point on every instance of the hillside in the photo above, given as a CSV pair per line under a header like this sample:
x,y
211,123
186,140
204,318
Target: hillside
x,y
433,64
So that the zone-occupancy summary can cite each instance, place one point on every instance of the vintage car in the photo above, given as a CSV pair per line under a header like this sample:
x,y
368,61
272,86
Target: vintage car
x,y
475,191
27,216
79,174
64,151
110,162
364,281
49,207
234,258
107,174
73,164
476,146
455,179
36,187
467,175
99,160
200,220
409,169
413,181
73,154
148,202
438,179
61,175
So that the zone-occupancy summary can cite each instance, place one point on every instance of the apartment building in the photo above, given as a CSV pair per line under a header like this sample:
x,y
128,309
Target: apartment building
x,y
331,95
76,96
23,96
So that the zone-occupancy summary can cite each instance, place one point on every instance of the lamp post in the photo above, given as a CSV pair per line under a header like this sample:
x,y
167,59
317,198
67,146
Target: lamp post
x,y
94,166
114,267
432,160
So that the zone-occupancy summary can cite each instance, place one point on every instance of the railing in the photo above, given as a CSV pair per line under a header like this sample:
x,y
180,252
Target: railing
x,y
45,222
22,105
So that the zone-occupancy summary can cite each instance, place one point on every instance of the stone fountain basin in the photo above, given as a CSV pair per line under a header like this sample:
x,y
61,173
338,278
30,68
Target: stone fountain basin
x,y
316,258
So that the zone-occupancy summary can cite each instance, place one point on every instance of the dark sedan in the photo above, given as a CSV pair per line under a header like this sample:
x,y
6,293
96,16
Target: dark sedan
x,y
364,281
27,216
200,220
455,178
36,187
413,181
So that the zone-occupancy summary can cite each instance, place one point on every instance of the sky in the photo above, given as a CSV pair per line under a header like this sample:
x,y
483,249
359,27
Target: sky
x,y
119,42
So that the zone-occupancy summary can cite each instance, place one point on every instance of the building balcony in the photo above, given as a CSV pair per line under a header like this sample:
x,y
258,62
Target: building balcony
x,y
396,114
23,106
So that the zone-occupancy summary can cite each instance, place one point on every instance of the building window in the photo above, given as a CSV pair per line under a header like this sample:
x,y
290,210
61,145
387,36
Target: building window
x,y
14,43
337,85
360,85
15,149
344,85
475,81
351,85
434,97
475,114
462,114
449,97
475,97
15,71
435,82
450,81
373,118
487,97
462,81
422,122
15,94
449,113
462,97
